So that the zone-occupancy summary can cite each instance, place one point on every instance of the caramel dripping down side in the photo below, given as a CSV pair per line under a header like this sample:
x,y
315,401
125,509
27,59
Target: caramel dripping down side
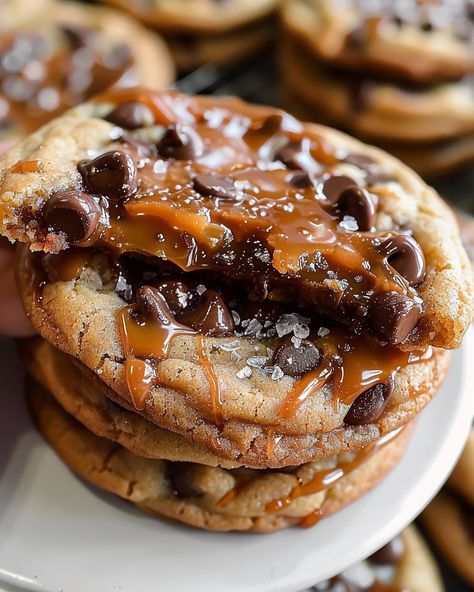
x,y
148,338
327,477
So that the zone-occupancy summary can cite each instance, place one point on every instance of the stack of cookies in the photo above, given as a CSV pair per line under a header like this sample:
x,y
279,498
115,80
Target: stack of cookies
x,y
202,32
398,74
239,314
54,55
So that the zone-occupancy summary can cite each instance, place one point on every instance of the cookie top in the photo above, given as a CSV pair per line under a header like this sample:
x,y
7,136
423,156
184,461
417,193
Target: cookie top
x,y
288,212
421,41
67,54
198,16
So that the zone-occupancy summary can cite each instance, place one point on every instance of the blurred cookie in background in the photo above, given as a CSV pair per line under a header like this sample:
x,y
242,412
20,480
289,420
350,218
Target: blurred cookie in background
x,y
399,76
405,564
208,31
66,55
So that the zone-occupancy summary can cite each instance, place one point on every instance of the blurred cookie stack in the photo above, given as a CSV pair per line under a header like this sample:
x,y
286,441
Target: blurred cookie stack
x,y
54,55
208,31
398,74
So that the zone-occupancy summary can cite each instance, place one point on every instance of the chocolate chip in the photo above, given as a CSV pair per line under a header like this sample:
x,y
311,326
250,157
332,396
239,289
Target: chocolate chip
x,y
72,212
297,361
358,203
181,142
112,174
393,316
214,185
300,180
154,305
270,125
177,295
212,317
131,115
374,178
335,185
79,36
143,148
288,155
405,255
361,161
370,404
390,554
180,482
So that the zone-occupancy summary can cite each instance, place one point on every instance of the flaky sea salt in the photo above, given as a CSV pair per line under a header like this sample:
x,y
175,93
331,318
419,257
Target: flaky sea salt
x,y
256,361
296,341
253,328
323,331
277,373
301,331
246,372
200,289
236,317
349,223
229,346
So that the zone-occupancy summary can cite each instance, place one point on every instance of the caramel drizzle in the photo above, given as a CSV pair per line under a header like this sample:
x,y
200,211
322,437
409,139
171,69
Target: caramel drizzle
x,y
214,389
140,377
327,477
358,367
27,166
292,222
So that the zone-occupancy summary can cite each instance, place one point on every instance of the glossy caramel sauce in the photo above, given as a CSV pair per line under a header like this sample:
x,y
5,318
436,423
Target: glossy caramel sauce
x,y
27,166
327,477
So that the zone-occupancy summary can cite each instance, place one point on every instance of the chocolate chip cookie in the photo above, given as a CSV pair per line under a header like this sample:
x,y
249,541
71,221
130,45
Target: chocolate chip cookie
x,y
336,250
208,31
211,497
67,54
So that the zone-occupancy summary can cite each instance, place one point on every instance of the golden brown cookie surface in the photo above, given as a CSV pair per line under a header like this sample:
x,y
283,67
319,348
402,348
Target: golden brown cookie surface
x,y
201,496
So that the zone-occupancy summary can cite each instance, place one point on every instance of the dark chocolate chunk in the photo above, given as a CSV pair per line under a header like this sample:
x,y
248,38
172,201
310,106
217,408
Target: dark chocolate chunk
x,y
361,161
297,361
300,180
181,142
79,35
358,203
72,212
131,115
212,317
214,186
393,316
335,185
177,295
405,255
112,174
144,149
288,155
181,483
389,554
370,404
154,305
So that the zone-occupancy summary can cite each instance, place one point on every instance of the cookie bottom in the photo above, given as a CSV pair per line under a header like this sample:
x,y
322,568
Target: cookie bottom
x,y
204,497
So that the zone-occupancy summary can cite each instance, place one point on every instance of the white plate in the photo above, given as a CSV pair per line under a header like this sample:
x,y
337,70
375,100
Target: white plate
x,y
57,533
